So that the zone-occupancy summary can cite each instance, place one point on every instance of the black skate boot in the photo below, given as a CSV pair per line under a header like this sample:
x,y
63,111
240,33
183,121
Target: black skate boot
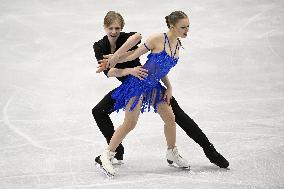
x,y
119,153
215,157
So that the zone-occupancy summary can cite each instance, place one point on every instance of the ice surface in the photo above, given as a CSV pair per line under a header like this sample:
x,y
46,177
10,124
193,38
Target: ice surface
x,y
230,80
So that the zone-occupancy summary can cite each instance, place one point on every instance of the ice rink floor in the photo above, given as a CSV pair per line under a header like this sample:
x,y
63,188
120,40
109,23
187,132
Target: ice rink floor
x,y
229,79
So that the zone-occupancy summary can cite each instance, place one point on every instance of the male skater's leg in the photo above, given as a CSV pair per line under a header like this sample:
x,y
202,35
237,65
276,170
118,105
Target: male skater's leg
x,y
101,114
194,132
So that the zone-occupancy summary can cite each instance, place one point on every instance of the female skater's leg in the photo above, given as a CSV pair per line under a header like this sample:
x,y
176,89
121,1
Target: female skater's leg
x,y
101,113
129,123
166,113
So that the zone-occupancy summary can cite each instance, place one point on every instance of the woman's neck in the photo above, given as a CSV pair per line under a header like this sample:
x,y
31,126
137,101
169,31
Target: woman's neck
x,y
172,37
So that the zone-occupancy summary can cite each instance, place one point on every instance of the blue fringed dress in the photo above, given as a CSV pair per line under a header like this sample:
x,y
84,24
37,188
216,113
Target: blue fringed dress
x,y
150,89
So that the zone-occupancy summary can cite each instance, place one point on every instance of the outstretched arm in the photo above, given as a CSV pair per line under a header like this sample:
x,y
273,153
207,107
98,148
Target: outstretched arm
x,y
149,45
130,42
128,56
103,60
111,61
131,55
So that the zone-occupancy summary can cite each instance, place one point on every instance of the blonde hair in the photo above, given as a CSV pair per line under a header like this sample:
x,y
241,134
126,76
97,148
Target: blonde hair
x,y
173,18
112,16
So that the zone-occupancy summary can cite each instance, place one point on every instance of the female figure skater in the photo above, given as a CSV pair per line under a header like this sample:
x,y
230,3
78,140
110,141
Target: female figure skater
x,y
117,42
135,95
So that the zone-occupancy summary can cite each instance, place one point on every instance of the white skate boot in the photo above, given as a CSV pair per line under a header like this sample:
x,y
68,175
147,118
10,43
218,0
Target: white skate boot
x,y
114,161
104,163
174,157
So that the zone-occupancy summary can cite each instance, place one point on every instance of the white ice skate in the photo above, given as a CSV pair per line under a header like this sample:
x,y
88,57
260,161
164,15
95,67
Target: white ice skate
x,y
104,163
174,157
114,161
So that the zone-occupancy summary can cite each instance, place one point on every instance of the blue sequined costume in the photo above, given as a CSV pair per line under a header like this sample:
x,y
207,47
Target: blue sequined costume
x,y
149,89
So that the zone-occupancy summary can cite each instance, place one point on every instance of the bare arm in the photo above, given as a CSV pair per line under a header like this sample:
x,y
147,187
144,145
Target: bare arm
x,y
150,44
137,71
167,82
131,55
115,72
111,61
130,42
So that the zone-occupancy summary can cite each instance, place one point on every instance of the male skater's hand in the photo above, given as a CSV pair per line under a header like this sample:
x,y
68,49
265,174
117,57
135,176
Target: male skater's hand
x,y
104,63
139,72
168,95
101,67
111,60
106,59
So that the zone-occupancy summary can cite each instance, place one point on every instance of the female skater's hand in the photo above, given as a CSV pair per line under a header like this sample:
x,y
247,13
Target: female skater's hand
x,y
168,95
139,72
112,60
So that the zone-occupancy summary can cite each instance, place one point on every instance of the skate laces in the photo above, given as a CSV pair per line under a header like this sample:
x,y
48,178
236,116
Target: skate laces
x,y
175,151
110,155
178,156
111,158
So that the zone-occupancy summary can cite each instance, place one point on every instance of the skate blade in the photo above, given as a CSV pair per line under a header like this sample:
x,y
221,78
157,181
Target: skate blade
x,y
178,167
172,164
109,176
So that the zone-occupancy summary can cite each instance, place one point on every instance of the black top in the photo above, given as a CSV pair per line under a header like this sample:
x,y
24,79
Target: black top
x,y
102,47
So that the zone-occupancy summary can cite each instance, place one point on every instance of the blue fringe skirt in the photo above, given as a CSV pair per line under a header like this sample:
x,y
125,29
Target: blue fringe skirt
x,y
151,94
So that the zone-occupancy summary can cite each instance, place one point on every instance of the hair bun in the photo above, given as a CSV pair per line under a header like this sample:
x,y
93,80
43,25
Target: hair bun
x,y
167,21
173,18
